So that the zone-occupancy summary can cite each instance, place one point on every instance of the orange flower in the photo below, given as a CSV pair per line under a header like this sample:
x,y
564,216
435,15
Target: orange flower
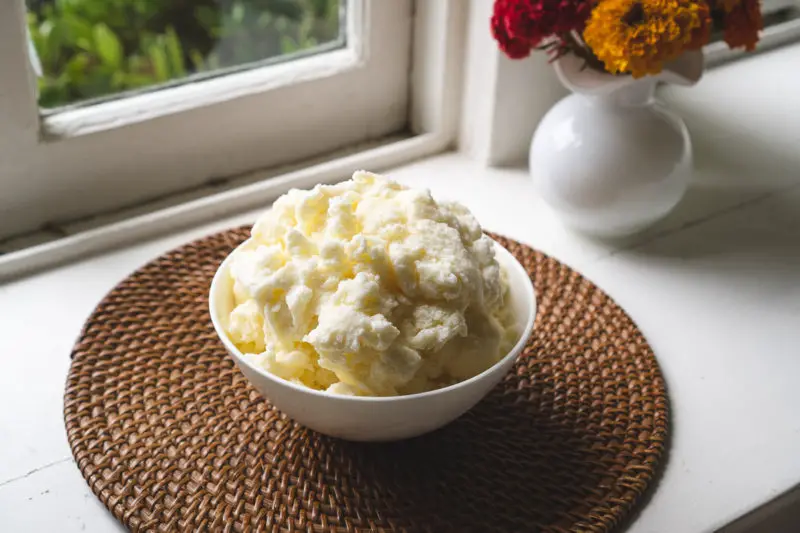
x,y
741,20
640,36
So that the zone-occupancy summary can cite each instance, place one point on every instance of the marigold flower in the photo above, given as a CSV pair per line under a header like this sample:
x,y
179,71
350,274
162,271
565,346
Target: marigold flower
x,y
741,21
640,36
513,47
726,5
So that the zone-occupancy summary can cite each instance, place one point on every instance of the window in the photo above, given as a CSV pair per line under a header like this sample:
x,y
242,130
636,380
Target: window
x,y
165,112
361,72
104,166
87,49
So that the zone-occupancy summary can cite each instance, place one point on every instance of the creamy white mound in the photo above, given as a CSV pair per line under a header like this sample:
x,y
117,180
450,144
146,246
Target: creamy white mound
x,y
368,287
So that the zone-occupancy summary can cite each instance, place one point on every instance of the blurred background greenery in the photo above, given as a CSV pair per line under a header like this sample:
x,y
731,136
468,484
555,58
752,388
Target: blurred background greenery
x,y
94,48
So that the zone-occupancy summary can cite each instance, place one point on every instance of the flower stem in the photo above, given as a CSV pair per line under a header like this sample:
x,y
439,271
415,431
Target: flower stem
x,y
579,48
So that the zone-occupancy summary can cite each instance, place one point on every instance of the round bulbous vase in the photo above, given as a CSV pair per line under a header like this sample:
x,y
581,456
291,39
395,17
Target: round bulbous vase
x,y
610,159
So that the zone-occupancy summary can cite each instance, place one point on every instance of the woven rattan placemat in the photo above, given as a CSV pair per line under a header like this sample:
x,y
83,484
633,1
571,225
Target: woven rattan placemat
x,y
171,437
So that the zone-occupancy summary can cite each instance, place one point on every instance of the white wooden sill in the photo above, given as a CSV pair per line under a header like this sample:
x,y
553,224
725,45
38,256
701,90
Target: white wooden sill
x,y
715,288
73,240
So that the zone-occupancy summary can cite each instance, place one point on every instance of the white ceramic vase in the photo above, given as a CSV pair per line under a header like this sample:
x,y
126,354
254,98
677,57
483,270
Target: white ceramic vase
x,y
609,158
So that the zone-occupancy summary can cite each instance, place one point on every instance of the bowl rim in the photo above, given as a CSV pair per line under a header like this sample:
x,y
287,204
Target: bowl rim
x,y
527,330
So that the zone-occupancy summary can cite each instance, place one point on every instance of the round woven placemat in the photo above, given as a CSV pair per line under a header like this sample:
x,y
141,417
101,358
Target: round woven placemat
x,y
171,437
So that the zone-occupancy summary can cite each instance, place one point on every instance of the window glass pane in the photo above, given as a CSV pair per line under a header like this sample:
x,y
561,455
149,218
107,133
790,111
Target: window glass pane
x,y
99,48
772,6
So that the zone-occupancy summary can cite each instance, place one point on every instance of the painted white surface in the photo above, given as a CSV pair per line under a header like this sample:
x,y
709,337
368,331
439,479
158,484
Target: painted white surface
x,y
503,99
437,81
27,503
88,237
715,287
720,305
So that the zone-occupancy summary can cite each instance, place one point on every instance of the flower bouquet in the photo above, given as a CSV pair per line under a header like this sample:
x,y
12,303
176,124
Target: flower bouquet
x,y
609,159
635,37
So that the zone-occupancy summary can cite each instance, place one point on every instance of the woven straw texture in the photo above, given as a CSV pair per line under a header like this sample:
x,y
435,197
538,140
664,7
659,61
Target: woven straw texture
x,y
170,436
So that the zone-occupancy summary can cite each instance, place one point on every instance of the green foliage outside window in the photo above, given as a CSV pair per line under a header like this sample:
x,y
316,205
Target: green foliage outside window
x,y
93,48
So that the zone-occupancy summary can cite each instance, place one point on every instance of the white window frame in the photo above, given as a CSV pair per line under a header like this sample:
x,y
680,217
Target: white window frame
x,y
68,164
464,93
85,159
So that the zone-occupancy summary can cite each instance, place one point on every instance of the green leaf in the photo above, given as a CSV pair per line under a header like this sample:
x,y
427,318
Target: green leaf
x,y
288,45
46,27
175,52
138,64
50,52
98,83
119,81
94,10
32,20
76,67
158,60
135,81
64,5
85,44
107,45
198,61
77,28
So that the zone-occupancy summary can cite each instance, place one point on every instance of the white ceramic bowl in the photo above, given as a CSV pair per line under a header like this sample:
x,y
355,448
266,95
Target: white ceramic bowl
x,y
362,418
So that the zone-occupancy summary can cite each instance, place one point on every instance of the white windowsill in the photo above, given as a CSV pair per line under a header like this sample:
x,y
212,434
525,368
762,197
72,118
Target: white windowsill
x,y
715,288
69,241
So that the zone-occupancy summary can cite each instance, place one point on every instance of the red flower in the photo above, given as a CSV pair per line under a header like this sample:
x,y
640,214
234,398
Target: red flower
x,y
513,47
519,25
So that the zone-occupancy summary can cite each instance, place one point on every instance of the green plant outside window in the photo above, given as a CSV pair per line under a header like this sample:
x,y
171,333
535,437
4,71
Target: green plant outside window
x,y
96,48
